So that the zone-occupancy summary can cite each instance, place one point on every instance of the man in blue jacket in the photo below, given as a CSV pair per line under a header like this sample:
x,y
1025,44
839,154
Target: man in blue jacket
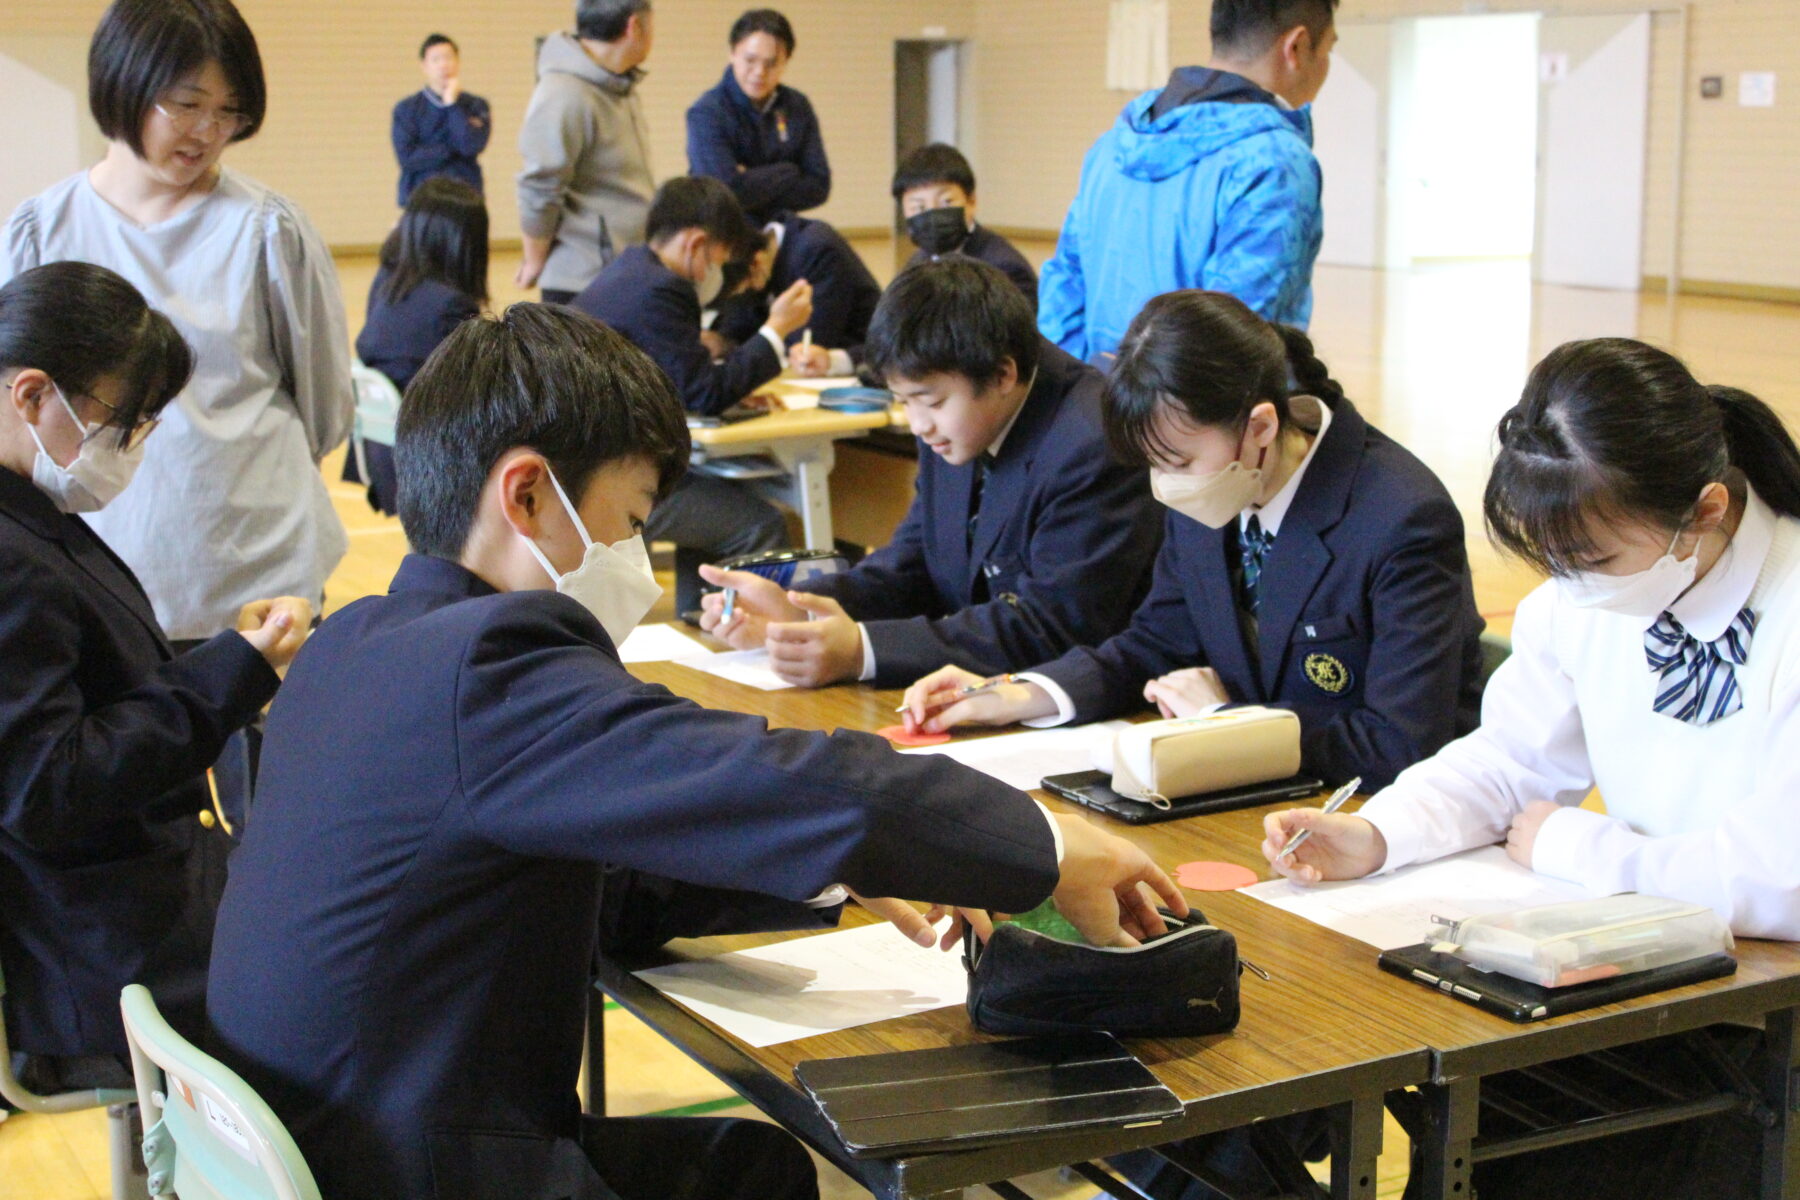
x,y
753,134
1209,182
440,129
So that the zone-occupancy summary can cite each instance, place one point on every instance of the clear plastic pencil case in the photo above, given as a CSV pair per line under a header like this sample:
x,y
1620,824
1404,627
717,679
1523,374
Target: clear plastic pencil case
x,y
1555,945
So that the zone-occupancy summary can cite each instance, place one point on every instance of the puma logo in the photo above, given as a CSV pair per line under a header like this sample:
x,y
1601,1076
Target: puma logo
x,y
1196,1002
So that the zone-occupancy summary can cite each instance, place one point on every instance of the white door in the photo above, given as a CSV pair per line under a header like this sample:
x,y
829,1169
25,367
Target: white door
x,y
1350,128
1595,75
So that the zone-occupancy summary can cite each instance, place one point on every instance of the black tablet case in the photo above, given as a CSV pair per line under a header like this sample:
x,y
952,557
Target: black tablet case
x,y
1093,789
1517,1000
965,1096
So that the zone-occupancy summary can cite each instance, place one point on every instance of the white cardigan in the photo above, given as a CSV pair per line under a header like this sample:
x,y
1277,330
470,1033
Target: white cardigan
x,y
1706,813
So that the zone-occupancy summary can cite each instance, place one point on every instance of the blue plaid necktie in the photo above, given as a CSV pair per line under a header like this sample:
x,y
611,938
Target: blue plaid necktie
x,y
1696,681
984,466
1253,547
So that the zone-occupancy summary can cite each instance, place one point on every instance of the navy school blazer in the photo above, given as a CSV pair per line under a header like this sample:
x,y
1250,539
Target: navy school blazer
x,y
106,874
402,961
1062,552
659,312
845,294
399,335
1368,626
984,245
779,149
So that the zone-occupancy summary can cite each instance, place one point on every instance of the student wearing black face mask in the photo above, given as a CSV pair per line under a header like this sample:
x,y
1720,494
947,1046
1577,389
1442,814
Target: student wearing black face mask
x,y
936,189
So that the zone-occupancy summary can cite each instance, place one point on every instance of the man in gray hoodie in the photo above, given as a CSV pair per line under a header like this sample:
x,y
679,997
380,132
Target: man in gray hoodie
x,y
586,186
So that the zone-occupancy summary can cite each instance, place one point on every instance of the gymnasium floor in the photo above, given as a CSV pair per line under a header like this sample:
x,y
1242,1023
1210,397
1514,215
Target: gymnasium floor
x,y
1433,356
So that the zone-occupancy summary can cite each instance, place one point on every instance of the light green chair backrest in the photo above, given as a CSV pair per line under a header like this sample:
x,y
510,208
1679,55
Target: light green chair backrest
x,y
377,404
207,1135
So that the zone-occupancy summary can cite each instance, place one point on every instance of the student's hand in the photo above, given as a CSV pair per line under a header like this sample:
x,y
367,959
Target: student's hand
x,y
1343,846
792,309
920,927
1098,890
809,360
933,707
452,89
1521,839
276,628
813,653
1184,693
759,601
534,252
716,343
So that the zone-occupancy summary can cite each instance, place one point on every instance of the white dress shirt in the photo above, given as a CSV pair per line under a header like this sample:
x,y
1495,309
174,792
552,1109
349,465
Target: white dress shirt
x,y
1704,813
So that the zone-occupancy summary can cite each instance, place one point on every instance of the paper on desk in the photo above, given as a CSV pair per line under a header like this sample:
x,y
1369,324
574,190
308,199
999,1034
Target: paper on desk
x,y
800,394
658,643
1389,911
813,985
749,667
1023,759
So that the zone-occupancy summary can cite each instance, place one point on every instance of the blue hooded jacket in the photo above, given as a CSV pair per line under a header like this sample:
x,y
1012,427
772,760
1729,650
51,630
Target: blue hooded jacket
x,y
1218,191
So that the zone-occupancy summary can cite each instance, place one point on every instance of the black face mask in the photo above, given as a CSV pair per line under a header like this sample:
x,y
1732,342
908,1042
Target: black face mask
x,y
938,230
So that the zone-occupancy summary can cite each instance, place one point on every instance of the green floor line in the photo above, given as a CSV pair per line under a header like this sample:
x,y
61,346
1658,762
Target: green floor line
x,y
700,1109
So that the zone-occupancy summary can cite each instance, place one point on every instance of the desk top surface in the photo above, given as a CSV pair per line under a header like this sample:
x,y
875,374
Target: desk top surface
x,y
793,423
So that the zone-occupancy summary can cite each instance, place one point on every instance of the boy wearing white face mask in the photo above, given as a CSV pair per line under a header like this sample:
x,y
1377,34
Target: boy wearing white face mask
x,y
1308,561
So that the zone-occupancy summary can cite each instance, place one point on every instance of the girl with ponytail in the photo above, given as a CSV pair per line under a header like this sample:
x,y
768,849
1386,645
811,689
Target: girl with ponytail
x,y
1308,560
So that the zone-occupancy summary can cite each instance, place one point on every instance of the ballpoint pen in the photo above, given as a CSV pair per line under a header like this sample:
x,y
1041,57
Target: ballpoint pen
x,y
730,605
1332,805
975,689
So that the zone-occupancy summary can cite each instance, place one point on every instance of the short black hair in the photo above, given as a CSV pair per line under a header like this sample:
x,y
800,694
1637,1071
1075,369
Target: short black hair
x,y
936,163
953,316
439,39
541,376
764,20
606,20
1246,28
701,202
142,48
442,236
77,322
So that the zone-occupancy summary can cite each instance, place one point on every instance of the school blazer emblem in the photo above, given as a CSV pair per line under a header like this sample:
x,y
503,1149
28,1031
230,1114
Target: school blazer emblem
x,y
1327,672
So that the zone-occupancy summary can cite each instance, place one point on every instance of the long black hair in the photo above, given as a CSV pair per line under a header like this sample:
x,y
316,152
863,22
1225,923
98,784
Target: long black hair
x,y
442,236
1613,429
1210,360
77,322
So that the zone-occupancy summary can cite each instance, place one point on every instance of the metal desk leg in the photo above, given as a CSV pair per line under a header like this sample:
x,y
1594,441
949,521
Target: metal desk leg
x,y
1355,1147
594,1102
809,465
1451,1112
1781,1142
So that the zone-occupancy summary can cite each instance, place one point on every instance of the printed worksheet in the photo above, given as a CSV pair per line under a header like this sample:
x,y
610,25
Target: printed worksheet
x,y
748,667
658,643
1023,759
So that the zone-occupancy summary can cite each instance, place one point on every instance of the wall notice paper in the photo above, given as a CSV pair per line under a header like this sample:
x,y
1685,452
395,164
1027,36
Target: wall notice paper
x,y
658,643
814,985
748,667
1390,911
1023,759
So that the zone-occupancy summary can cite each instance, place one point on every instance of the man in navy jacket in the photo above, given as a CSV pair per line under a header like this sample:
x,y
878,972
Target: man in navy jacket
x,y
1024,537
844,291
755,135
440,129
402,960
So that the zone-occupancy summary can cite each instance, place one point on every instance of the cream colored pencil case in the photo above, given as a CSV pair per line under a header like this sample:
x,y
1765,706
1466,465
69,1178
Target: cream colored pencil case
x,y
1160,761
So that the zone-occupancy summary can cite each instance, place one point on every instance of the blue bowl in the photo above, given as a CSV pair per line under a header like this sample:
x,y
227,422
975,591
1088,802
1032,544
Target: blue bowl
x,y
856,399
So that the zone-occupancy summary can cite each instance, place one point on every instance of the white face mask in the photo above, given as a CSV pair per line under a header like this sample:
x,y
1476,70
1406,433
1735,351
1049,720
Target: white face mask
x,y
711,284
613,582
1646,595
99,473
1213,500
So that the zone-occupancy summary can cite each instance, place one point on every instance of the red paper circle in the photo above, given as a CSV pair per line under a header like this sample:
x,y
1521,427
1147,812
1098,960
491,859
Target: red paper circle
x,y
901,736
1214,876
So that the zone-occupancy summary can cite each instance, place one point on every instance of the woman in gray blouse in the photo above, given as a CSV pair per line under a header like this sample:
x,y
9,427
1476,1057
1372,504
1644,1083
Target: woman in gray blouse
x,y
229,504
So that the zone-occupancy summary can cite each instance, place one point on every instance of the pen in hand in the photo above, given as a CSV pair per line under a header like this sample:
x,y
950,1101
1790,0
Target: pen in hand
x,y
974,689
1336,802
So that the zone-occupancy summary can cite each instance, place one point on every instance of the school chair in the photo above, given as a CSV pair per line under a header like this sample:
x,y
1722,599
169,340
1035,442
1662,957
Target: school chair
x,y
127,1181
377,412
213,1137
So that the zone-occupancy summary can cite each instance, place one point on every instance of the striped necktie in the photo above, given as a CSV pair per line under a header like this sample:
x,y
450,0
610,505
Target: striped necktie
x,y
1253,547
984,466
1696,681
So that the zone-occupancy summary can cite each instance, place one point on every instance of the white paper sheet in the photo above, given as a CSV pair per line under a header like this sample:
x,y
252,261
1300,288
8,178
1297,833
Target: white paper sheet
x,y
798,393
750,667
1389,911
658,643
1023,759
813,985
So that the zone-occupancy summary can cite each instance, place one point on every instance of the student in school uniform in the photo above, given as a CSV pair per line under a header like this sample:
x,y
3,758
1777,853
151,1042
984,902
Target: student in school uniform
x,y
440,130
111,855
1308,560
654,294
936,189
1024,538
1658,664
753,133
844,292
432,278
402,962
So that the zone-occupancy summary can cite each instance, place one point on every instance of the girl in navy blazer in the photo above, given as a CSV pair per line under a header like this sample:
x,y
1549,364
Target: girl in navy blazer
x,y
111,857
1309,561
433,277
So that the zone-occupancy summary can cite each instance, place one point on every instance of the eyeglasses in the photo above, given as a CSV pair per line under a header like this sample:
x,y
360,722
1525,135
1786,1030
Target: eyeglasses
x,y
191,120
134,437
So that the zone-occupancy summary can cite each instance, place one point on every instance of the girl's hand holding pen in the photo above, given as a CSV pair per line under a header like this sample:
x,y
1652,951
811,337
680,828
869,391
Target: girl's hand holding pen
x,y
1340,846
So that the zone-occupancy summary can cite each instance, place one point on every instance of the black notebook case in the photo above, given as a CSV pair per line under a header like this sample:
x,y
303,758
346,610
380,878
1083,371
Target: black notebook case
x,y
966,1096
1093,789
1517,1000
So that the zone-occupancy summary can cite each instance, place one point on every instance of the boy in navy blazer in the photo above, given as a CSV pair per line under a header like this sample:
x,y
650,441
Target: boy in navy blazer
x,y
935,186
402,961
844,291
1024,537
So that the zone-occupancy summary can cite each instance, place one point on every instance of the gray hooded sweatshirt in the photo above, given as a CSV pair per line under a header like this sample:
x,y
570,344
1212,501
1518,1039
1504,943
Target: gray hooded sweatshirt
x,y
586,182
